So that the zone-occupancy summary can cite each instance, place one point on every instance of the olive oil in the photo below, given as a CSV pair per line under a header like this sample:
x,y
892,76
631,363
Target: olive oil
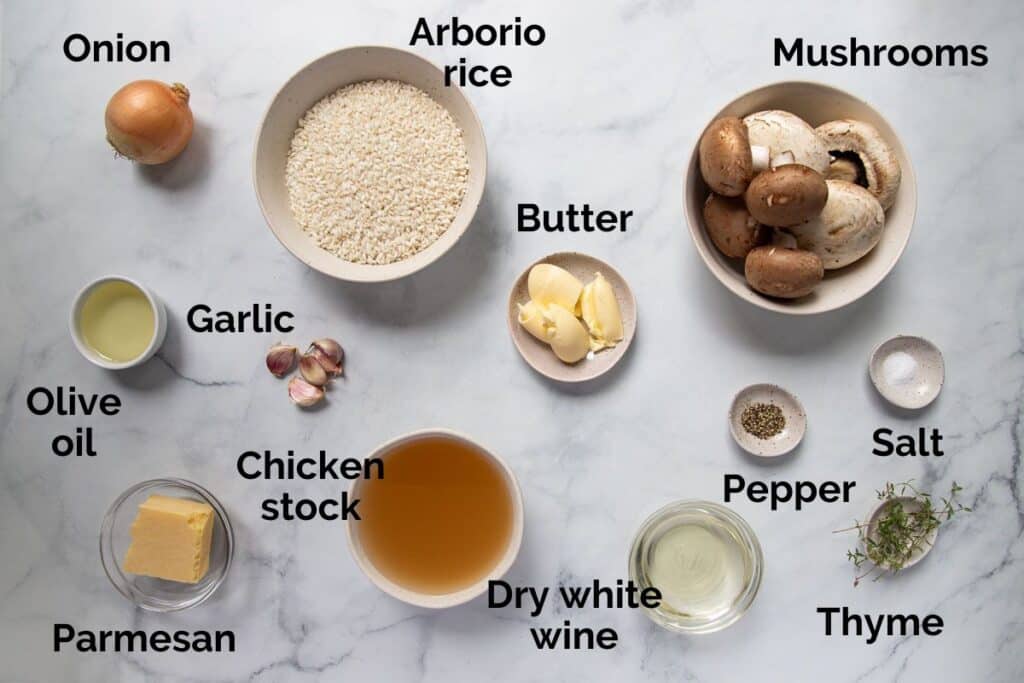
x,y
117,321
441,517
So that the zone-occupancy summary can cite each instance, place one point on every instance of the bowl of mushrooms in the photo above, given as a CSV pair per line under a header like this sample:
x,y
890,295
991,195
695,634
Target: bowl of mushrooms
x,y
800,197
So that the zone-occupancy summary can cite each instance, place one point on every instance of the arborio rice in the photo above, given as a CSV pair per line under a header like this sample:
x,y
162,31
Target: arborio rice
x,y
376,172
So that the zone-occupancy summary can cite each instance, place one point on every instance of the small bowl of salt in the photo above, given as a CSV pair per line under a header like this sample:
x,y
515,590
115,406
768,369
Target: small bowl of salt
x,y
907,371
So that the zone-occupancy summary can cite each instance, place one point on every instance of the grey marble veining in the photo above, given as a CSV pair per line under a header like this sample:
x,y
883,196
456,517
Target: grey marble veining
x,y
607,112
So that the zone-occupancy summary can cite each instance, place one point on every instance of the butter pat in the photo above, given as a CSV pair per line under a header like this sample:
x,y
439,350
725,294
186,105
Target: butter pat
x,y
550,284
171,539
567,336
531,317
601,312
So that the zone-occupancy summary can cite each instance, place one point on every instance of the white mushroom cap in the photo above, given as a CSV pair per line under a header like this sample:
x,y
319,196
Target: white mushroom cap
x,y
881,168
783,132
847,228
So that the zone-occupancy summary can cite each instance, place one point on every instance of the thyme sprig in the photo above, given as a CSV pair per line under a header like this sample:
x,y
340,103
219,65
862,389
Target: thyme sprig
x,y
899,534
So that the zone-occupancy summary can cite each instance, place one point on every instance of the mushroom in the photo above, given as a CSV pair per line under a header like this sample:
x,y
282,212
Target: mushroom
x,y
730,226
862,144
781,132
725,160
842,168
783,273
847,228
786,195
781,238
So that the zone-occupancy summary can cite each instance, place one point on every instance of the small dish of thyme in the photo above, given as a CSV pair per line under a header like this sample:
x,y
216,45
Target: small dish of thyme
x,y
900,530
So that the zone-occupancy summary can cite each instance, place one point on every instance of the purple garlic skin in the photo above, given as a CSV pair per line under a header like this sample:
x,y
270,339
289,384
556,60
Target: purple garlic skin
x,y
329,354
280,359
312,371
304,394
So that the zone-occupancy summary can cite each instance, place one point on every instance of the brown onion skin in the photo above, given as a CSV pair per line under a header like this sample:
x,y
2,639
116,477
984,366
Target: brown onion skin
x,y
149,121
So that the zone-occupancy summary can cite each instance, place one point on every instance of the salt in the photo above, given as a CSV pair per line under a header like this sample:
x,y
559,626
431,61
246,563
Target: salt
x,y
899,368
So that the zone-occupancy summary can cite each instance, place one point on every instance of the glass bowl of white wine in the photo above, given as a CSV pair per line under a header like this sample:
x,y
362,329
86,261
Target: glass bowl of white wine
x,y
704,559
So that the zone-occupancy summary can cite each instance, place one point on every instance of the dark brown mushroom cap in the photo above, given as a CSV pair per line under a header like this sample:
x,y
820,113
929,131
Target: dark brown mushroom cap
x,y
725,161
783,273
730,226
786,195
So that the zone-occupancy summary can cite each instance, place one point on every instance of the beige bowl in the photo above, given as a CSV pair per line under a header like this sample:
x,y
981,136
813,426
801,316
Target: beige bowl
x,y
539,355
815,103
469,592
320,78
910,505
793,412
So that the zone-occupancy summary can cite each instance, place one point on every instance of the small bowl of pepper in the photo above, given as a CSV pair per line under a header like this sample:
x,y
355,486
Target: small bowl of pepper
x,y
766,420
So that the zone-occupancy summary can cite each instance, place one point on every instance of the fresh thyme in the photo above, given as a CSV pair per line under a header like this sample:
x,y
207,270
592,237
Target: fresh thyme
x,y
899,534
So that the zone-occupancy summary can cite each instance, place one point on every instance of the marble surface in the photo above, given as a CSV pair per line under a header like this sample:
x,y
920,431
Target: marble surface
x,y
607,112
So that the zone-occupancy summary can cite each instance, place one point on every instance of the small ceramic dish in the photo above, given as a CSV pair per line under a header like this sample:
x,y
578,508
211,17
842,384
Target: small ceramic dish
x,y
149,593
439,601
907,371
311,84
910,505
159,333
792,411
539,355
815,103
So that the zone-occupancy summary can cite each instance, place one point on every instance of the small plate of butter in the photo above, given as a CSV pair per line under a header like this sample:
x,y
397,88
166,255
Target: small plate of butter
x,y
166,544
571,316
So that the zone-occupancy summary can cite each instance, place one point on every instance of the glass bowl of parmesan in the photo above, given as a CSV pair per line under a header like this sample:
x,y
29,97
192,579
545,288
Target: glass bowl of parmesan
x,y
166,544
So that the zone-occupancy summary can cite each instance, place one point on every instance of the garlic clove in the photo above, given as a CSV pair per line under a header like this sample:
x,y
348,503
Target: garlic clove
x,y
312,371
330,348
280,359
331,367
304,394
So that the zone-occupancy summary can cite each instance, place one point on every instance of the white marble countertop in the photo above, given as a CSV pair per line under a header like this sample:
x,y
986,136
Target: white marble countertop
x,y
606,112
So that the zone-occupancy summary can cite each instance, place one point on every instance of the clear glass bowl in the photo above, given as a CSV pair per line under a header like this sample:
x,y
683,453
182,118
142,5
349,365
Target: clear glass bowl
x,y
728,527
159,595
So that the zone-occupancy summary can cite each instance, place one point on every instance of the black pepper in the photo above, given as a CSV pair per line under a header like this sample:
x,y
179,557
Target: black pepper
x,y
763,420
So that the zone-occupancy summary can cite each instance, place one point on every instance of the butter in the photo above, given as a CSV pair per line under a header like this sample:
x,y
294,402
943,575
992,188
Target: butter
x,y
600,311
531,317
550,284
171,539
567,336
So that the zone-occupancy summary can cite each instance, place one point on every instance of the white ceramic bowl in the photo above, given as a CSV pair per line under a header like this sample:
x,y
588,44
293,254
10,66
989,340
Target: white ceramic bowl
x,y
321,78
159,315
539,355
469,592
816,103
910,505
923,385
793,412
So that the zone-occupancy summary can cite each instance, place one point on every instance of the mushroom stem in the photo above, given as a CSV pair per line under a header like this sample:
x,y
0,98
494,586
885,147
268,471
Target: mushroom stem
x,y
783,158
760,155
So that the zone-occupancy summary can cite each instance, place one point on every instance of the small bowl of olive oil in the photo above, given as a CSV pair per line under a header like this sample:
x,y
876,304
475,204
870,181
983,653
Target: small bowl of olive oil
x,y
117,323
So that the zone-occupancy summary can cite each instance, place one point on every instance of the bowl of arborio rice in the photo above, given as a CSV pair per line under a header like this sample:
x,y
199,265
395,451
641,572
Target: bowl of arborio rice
x,y
367,168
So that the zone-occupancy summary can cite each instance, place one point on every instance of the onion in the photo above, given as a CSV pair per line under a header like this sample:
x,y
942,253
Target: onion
x,y
149,121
